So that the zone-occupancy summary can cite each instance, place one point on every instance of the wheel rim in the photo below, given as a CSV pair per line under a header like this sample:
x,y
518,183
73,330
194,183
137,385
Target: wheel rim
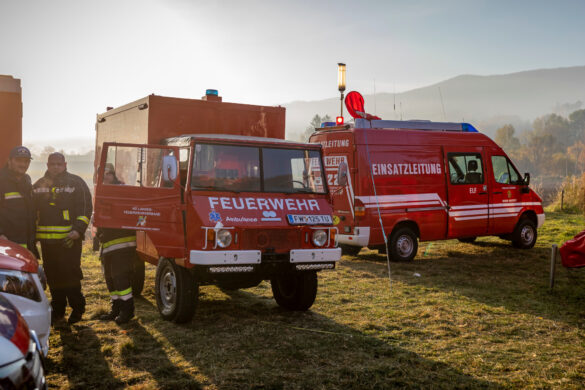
x,y
168,290
527,234
404,246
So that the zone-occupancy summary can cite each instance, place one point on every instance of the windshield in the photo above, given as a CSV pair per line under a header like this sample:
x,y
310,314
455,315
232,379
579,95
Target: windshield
x,y
256,169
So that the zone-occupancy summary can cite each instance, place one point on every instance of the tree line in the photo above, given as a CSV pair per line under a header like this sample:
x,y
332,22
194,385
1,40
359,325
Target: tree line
x,y
555,146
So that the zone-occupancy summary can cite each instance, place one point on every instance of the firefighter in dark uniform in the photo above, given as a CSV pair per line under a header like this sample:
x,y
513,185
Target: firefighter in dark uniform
x,y
17,217
63,202
117,256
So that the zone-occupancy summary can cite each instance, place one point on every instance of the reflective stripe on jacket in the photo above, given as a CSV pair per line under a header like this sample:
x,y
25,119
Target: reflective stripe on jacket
x,y
64,204
119,243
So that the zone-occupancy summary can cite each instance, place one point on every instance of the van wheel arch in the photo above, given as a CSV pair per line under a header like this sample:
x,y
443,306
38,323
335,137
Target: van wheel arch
x,y
531,215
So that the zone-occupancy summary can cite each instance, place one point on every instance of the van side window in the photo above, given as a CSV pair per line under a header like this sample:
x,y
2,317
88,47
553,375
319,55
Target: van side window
x,y
504,171
465,168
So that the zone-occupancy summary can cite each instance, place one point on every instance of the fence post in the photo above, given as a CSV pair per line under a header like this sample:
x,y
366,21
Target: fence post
x,y
553,262
562,198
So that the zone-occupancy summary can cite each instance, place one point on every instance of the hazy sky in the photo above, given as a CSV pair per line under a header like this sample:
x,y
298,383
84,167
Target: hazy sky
x,y
76,57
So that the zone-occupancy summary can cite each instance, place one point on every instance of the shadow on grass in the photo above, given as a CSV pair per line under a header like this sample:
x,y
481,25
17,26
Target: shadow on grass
x,y
246,341
81,347
145,353
492,273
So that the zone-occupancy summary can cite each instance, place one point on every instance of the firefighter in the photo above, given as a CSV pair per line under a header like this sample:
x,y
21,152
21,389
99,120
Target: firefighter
x,y
64,208
117,256
17,219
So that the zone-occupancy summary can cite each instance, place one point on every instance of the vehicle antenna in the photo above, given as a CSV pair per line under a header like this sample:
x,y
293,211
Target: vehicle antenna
x,y
395,100
400,110
375,106
442,105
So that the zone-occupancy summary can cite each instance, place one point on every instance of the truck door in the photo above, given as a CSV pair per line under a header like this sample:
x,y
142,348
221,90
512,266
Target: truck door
x,y
343,197
138,188
467,189
505,195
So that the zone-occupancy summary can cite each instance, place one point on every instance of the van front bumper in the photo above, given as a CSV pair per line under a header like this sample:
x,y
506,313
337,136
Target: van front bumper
x,y
539,220
361,237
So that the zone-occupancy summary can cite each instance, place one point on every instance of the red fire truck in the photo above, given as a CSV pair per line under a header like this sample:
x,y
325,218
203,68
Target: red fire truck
x,y
224,209
421,180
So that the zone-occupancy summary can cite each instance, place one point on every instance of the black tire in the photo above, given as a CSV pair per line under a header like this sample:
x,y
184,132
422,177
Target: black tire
x,y
350,250
467,240
138,268
176,292
525,234
296,291
403,244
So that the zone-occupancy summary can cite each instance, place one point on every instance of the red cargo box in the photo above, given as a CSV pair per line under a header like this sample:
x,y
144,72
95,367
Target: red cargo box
x,y
153,118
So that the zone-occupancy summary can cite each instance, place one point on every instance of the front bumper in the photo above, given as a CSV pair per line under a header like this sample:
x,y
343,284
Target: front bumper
x,y
539,220
246,260
225,257
361,237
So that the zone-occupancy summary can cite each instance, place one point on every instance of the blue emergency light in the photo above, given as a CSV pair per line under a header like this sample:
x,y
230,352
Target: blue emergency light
x,y
468,127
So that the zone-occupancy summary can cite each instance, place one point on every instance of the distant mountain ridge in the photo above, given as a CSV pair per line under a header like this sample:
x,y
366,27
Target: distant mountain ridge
x,y
488,102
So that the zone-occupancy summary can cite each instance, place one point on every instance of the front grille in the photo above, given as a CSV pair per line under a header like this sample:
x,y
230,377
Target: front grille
x,y
272,240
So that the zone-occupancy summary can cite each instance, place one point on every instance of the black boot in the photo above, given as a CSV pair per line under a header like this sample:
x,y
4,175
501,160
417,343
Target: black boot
x,y
126,311
114,311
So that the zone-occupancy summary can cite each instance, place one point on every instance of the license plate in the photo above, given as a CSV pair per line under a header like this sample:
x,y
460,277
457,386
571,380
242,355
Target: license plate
x,y
295,219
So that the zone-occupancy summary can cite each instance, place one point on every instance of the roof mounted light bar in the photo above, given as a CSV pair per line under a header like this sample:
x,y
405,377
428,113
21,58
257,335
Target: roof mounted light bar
x,y
415,125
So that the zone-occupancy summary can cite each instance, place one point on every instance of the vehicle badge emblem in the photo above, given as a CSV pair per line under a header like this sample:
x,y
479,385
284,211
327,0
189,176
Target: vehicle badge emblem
x,y
141,220
214,216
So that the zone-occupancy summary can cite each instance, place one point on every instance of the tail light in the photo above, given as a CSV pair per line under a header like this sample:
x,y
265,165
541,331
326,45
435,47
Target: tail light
x,y
359,210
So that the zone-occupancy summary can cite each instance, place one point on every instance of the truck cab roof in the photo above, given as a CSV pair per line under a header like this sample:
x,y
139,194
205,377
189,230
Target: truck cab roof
x,y
185,140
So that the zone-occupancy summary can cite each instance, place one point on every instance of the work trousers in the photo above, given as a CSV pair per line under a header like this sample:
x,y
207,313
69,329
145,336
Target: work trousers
x,y
63,269
117,268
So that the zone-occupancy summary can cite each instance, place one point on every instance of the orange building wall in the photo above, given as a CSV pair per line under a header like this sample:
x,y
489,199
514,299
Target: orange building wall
x,y
10,116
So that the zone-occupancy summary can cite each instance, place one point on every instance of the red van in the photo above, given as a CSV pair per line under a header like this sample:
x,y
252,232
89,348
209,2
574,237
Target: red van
x,y
422,180
222,209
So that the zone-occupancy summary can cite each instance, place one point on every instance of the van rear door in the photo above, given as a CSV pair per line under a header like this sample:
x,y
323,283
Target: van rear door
x,y
467,191
143,194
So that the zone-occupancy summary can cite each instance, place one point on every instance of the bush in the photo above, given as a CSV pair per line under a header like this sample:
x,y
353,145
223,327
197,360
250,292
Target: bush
x,y
571,195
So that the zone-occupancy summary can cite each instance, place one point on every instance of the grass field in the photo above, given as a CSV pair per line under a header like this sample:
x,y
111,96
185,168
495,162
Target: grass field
x,y
459,316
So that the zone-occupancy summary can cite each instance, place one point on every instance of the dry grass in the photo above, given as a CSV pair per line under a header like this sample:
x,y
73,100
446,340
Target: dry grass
x,y
459,316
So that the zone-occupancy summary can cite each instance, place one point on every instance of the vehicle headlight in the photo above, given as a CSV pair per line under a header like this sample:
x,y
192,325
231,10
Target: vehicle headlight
x,y
223,238
319,237
19,283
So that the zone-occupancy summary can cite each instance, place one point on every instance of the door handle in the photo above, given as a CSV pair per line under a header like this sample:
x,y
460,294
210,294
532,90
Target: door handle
x,y
483,193
498,192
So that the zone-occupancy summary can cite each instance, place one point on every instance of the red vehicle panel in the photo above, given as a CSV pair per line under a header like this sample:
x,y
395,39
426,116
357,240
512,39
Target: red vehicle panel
x,y
424,181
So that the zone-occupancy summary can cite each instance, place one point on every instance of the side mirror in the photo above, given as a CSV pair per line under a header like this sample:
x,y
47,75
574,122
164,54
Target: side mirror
x,y
169,168
342,174
527,179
